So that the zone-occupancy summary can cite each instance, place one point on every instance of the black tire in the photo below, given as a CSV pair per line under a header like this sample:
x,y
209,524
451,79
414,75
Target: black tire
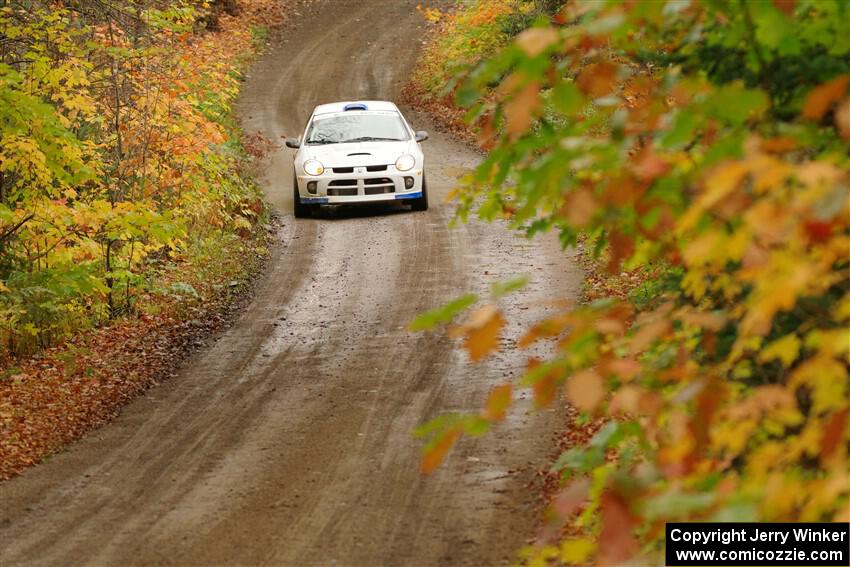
x,y
421,203
300,210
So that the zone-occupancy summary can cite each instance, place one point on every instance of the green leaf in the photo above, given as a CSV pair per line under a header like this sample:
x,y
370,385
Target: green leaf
x,y
566,98
444,314
499,289
735,104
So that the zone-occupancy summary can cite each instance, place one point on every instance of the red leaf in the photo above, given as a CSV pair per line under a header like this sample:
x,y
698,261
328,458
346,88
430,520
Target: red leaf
x,y
832,435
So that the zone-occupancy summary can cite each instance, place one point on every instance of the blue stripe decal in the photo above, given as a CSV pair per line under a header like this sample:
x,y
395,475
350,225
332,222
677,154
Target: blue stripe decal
x,y
409,196
313,200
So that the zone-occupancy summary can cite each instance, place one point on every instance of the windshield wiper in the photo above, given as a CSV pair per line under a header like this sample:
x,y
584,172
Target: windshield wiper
x,y
373,139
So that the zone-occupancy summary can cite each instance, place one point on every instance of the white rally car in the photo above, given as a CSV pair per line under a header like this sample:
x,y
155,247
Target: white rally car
x,y
358,152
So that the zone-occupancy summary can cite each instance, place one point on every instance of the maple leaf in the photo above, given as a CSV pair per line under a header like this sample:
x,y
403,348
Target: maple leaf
x,y
481,331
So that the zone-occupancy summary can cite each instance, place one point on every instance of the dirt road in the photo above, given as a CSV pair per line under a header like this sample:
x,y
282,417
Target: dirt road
x,y
288,441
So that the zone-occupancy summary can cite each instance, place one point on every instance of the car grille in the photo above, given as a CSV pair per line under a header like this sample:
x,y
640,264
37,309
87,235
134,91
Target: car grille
x,y
371,186
342,169
378,190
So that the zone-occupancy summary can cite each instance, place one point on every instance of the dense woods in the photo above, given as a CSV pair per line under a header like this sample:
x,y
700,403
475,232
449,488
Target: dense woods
x,y
699,151
129,220
118,159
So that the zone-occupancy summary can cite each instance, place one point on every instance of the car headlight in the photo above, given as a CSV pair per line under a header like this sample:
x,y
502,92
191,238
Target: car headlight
x,y
313,167
405,162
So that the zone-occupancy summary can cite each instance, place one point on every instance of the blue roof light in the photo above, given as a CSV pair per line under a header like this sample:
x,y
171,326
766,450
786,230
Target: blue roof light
x,y
355,106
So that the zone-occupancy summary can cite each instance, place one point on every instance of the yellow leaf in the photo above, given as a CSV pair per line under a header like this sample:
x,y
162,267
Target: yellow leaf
x,y
577,551
723,180
826,378
785,349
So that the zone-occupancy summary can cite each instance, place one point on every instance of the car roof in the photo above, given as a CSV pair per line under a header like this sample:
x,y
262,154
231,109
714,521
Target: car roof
x,y
342,106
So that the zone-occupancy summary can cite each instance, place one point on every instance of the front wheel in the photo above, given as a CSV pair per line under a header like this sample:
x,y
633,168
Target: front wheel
x,y
421,203
300,210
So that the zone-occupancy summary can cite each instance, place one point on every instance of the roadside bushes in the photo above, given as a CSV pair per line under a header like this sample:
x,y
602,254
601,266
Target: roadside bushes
x,y
118,156
468,34
676,142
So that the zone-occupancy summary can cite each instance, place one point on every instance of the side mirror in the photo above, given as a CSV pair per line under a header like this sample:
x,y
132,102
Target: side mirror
x,y
293,143
421,136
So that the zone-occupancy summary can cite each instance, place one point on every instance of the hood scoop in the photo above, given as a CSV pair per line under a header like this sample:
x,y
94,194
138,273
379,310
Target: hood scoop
x,y
359,154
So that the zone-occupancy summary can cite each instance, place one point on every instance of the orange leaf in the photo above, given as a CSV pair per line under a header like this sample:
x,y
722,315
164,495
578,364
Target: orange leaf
x,y
585,390
621,247
544,388
823,96
623,368
778,145
487,133
498,402
650,166
570,498
579,207
436,453
481,331
598,79
647,334
520,108
546,328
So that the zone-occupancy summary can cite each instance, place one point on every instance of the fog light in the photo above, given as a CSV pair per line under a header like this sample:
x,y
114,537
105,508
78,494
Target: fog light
x,y
408,182
311,187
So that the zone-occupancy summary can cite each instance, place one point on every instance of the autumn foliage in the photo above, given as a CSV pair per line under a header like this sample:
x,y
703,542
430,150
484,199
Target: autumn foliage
x,y
125,198
707,147
118,159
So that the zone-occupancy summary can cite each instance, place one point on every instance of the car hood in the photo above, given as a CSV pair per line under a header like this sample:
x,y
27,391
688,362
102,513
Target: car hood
x,y
358,154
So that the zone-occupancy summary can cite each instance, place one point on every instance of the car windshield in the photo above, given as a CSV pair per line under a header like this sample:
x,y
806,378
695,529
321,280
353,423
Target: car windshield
x,y
357,127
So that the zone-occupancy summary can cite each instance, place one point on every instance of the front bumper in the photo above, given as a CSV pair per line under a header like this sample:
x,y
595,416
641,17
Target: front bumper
x,y
359,186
